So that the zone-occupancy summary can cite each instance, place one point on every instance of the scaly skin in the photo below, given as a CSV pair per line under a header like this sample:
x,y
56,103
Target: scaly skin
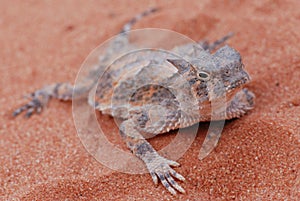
x,y
175,99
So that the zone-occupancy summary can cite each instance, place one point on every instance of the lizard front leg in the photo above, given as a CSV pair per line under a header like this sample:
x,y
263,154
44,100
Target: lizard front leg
x,y
158,166
238,106
242,102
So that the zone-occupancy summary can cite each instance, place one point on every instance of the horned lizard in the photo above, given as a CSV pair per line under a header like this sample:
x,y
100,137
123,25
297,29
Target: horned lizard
x,y
178,98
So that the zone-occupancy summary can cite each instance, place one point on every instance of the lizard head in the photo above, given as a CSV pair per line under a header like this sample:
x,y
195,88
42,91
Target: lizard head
x,y
210,76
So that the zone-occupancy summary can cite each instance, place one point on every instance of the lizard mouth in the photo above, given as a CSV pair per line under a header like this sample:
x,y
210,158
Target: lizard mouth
x,y
237,84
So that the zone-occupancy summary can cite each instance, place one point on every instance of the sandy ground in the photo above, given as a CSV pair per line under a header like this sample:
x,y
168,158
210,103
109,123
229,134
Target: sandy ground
x,y
44,42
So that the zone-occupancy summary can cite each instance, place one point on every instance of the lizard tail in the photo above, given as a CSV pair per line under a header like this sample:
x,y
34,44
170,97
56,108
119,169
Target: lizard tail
x,y
127,27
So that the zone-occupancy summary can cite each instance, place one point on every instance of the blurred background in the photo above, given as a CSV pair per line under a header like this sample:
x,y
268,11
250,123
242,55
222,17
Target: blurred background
x,y
44,42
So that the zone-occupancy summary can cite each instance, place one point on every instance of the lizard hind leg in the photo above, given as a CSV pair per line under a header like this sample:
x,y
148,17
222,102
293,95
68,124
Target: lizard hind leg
x,y
40,98
127,27
214,45
158,166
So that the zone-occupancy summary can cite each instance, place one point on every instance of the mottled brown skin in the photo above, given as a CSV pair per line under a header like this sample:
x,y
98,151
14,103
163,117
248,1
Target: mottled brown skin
x,y
175,98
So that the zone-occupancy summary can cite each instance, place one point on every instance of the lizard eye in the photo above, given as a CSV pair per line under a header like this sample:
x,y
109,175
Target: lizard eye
x,y
227,72
203,75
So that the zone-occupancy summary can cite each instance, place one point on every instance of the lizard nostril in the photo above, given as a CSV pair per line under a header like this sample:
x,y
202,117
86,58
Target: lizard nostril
x,y
246,76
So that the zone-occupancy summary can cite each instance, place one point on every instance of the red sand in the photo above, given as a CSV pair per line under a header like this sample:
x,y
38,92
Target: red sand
x,y
46,41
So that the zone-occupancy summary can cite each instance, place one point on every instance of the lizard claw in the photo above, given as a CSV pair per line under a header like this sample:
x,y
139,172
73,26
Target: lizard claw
x,y
160,169
35,105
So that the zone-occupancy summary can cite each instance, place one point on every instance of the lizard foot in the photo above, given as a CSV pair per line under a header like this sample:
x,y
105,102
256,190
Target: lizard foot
x,y
159,168
249,98
37,101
